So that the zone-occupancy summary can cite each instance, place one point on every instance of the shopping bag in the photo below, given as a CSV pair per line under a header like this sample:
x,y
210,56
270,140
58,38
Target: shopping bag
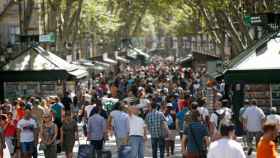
x,y
85,151
106,154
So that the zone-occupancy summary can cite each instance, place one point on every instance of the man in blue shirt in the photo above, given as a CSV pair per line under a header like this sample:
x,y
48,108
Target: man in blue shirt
x,y
119,124
97,132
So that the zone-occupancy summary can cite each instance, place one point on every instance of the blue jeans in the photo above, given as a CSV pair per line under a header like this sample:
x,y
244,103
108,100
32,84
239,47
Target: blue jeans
x,y
158,142
27,147
97,148
137,144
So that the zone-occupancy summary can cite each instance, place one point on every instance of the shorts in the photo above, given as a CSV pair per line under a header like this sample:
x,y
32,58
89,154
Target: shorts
x,y
27,147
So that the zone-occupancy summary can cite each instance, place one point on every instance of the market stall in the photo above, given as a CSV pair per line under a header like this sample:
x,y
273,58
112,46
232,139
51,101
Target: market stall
x,y
255,73
39,72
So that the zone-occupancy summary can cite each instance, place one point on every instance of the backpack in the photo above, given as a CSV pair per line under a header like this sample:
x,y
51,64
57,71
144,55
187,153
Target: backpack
x,y
220,118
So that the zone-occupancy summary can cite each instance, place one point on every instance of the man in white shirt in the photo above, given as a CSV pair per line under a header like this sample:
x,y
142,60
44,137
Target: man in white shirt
x,y
226,147
254,118
273,117
137,133
27,133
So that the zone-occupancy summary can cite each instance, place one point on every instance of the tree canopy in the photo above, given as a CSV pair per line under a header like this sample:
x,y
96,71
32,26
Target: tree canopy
x,y
109,21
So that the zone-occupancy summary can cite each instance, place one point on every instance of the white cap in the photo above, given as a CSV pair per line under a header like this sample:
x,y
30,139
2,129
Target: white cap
x,y
169,105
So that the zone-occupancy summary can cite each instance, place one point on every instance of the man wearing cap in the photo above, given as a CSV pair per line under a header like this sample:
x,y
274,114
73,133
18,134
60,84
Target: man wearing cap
x,y
226,147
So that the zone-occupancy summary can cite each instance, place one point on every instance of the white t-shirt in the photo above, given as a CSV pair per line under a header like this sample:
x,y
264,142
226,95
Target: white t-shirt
x,y
226,119
27,128
88,109
225,148
254,116
273,118
203,112
136,126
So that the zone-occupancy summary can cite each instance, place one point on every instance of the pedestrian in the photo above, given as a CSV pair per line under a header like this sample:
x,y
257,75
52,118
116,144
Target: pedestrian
x,y
27,132
57,109
226,147
180,121
37,114
10,133
241,112
204,112
171,122
67,101
98,107
273,117
48,133
45,106
137,133
2,137
216,119
266,147
254,118
69,134
158,129
119,124
97,132
197,135
20,110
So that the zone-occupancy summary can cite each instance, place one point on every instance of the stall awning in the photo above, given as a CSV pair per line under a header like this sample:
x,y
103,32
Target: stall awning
x,y
261,64
140,52
121,59
108,60
31,64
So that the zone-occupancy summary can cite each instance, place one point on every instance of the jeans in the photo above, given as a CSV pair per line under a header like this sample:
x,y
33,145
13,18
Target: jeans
x,y
137,144
27,147
97,148
158,142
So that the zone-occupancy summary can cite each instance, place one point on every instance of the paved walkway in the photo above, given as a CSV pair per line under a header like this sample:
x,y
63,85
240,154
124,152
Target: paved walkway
x,y
111,145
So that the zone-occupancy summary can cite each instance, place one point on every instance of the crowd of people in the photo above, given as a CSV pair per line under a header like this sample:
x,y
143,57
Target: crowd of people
x,y
161,100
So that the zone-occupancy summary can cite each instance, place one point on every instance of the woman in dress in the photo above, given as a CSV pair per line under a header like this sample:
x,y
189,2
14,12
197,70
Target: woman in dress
x,y
69,133
48,135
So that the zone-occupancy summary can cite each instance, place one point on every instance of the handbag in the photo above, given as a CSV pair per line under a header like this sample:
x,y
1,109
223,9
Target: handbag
x,y
42,147
202,152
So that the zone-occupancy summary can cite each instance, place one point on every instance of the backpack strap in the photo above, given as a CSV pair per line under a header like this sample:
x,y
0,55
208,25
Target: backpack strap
x,y
220,117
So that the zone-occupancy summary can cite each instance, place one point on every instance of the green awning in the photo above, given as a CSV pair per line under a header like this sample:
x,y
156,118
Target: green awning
x,y
38,64
253,76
